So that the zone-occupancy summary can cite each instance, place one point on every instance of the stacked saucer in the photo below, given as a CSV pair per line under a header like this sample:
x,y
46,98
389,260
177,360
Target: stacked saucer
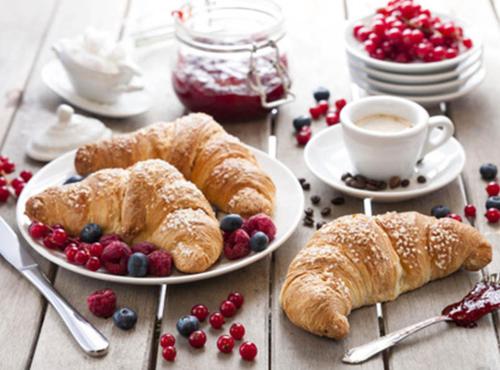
x,y
425,83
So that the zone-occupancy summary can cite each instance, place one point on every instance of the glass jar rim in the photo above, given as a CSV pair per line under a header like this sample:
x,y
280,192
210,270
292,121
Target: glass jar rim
x,y
220,42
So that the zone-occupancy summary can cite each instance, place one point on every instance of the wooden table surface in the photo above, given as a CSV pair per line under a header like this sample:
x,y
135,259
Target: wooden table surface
x,y
33,336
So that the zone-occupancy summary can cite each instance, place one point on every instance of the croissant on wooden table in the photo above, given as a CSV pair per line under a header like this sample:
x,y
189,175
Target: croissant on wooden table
x,y
357,260
150,201
222,167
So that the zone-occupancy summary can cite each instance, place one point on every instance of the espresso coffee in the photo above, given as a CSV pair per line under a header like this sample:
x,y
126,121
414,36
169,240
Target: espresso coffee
x,y
384,123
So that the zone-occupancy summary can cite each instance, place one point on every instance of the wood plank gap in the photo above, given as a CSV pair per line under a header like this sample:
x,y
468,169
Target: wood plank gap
x,y
31,71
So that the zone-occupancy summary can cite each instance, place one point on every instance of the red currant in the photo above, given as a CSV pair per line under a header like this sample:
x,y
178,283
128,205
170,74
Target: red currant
x,y
237,330
3,181
26,175
95,249
248,351
81,257
167,340
332,118
339,104
455,217
8,166
59,236
17,182
304,135
216,320
200,311
93,263
451,53
379,27
169,353
18,190
470,210
315,111
225,343
394,34
493,189
227,309
467,43
356,29
493,215
323,106
49,243
70,252
236,298
370,46
38,230
4,194
197,339
363,34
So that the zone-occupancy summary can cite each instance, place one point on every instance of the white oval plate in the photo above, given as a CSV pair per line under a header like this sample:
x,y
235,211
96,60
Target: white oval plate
x,y
327,158
473,62
289,208
355,48
129,104
434,88
432,99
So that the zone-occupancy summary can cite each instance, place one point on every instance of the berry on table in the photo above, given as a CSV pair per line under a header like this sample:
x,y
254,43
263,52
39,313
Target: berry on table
x,y
493,215
26,175
322,93
237,331
216,320
493,189
102,303
3,181
493,202
248,351
236,244
455,217
440,211
91,233
137,265
300,122
160,263
17,182
467,43
227,308
197,339
488,171
125,318
231,222
18,190
323,106
315,111
259,241
339,104
93,264
236,298
200,311
169,353
167,340
115,256
304,135
187,324
38,230
8,166
470,210
225,343
4,194
332,118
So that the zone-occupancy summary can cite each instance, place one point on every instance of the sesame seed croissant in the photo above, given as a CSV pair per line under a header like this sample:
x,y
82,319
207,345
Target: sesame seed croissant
x,y
357,260
223,168
150,201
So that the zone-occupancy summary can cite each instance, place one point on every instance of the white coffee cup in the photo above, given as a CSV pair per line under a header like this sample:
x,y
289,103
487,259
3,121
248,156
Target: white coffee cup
x,y
381,155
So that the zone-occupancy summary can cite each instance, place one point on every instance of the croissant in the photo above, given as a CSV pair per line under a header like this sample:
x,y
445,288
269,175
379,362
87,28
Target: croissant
x,y
217,163
357,260
150,201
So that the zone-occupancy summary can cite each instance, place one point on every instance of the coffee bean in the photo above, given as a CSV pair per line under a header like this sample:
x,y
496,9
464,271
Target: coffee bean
x,y
326,211
357,184
421,179
302,180
373,182
405,183
338,201
372,187
308,221
315,199
308,212
319,225
345,176
361,178
382,185
306,186
394,182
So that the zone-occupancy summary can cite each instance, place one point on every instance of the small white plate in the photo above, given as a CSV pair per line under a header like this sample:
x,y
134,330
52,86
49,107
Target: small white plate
x,y
355,48
288,212
429,89
129,104
471,63
327,158
432,99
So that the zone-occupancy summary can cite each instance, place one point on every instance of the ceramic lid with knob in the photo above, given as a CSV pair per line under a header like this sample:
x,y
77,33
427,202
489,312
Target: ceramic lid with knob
x,y
69,132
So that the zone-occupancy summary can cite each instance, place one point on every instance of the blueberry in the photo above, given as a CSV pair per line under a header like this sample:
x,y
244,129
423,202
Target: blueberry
x,y
440,211
300,122
137,265
91,233
187,324
488,171
321,93
125,318
259,241
73,179
231,222
493,202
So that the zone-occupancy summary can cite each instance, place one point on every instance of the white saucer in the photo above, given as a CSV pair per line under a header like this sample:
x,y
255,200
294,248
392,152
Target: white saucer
x,y
325,155
129,104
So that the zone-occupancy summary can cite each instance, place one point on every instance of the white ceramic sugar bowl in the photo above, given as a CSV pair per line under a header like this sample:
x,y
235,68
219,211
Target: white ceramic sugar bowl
x,y
68,133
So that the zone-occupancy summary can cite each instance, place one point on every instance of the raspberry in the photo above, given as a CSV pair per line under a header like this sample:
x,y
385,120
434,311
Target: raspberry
x,y
260,222
108,238
160,263
236,244
115,257
102,303
144,247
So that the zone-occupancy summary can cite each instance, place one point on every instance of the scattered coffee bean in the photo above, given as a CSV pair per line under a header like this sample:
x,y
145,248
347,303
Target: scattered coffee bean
x,y
326,211
315,199
306,186
309,212
405,183
357,184
345,176
338,201
372,187
308,221
394,182
421,179
320,224
382,185
302,180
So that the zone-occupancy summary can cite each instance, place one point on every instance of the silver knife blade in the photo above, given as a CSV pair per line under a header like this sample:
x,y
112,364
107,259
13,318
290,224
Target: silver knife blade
x,y
11,249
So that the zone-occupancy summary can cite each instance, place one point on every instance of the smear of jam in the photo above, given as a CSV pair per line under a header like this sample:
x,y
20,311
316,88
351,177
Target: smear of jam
x,y
481,300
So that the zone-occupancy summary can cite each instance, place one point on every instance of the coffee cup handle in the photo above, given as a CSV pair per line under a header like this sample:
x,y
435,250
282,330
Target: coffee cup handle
x,y
447,130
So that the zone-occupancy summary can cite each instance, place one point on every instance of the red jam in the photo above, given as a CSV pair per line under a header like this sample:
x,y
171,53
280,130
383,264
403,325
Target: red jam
x,y
481,300
220,87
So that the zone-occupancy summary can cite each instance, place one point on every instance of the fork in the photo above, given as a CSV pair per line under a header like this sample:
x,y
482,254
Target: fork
x,y
362,353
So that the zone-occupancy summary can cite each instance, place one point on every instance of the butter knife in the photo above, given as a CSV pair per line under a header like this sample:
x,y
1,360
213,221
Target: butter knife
x,y
93,342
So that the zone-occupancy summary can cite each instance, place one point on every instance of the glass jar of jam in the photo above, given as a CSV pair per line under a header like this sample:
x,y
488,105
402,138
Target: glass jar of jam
x,y
230,61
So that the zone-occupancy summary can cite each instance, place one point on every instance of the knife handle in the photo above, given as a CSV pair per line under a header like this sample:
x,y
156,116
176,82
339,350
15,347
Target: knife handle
x,y
92,341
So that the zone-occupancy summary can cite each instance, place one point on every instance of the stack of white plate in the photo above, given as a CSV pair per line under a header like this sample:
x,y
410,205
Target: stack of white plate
x,y
424,83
